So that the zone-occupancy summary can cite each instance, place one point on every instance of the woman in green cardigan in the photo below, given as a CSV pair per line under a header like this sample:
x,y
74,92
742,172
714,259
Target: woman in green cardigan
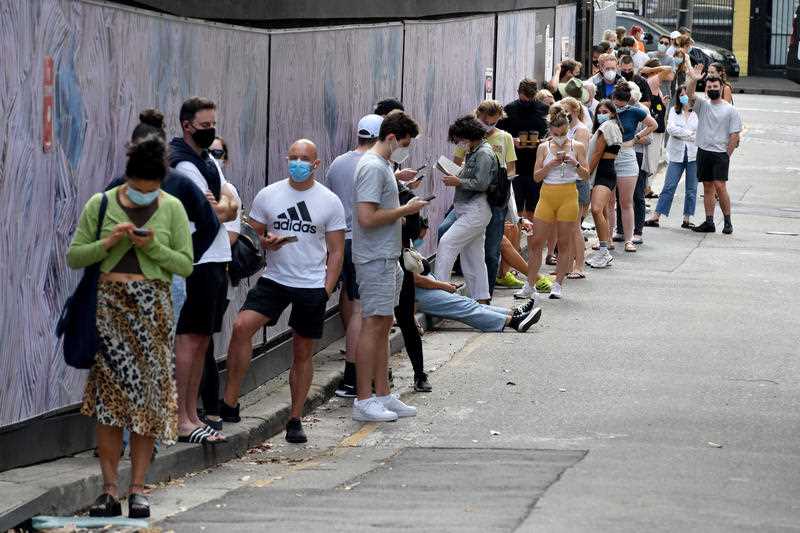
x,y
144,239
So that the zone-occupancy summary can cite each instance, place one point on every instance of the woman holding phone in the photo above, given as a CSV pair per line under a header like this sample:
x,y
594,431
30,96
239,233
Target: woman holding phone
x,y
560,163
144,240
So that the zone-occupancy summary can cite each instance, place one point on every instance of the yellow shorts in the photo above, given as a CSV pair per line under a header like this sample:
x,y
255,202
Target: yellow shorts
x,y
557,203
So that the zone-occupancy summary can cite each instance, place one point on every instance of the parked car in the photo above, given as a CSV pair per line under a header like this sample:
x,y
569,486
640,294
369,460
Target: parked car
x,y
793,57
652,30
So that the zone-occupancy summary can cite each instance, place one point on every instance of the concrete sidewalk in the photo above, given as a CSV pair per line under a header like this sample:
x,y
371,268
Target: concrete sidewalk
x,y
769,86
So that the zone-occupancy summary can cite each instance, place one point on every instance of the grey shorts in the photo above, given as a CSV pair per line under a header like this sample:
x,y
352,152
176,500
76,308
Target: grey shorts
x,y
379,284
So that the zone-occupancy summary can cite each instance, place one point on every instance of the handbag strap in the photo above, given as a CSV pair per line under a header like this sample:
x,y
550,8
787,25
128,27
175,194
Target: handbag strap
x,y
101,216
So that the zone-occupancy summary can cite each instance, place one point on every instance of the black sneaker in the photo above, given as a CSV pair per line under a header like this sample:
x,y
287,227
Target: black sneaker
x,y
523,309
421,384
346,391
524,322
229,414
294,431
687,225
705,227
728,229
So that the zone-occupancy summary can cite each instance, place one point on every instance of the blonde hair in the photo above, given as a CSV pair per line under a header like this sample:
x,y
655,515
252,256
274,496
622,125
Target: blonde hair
x,y
490,108
571,105
557,116
542,94
609,33
636,92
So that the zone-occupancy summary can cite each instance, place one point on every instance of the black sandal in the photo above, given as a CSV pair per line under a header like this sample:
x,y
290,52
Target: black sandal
x,y
652,223
201,435
687,225
106,506
138,504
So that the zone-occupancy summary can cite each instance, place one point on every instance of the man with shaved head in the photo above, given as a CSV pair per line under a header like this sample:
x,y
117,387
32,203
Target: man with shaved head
x,y
302,224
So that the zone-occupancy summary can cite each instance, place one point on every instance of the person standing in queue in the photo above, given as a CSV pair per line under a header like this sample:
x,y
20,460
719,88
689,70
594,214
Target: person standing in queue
x,y
144,241
377,232
302,224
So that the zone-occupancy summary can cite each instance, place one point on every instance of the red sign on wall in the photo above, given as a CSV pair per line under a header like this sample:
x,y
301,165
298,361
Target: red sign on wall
x,y
47,104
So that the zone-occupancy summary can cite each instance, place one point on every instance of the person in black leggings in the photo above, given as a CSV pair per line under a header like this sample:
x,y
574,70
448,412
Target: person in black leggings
x,y
404,312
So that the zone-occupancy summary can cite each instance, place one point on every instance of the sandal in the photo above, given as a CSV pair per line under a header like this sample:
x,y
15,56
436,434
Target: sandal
x,y
201,435
630,247
138,504
576,275
106,506
652,223
687,225
551,260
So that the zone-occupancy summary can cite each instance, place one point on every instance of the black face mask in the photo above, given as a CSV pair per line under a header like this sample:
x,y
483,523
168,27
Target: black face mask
x,y
204,138
627,75
713,93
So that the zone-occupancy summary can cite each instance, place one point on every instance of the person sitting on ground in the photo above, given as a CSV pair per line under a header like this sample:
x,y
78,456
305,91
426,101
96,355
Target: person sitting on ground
x,y
302,225
439,298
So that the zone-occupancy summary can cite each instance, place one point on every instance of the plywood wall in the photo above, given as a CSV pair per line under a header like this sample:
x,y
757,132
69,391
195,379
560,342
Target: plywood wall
x,y
516,53
443,79
110,63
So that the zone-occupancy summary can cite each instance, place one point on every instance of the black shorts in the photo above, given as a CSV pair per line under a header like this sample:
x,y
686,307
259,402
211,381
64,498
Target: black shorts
x,y
348,276
271,299
206,300
606,174
712,166
526,193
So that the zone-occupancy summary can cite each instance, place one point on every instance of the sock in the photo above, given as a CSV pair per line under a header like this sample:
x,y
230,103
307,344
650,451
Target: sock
x,y
728,220
710,219
349,373
603,244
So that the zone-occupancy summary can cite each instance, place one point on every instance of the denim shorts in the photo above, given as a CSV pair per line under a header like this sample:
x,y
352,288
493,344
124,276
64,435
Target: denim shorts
x,y
584,192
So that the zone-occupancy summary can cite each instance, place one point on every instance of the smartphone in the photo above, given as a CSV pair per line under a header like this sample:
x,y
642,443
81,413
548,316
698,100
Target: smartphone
x,y
459,285
141,232
429,198
420,168
289,238
417,178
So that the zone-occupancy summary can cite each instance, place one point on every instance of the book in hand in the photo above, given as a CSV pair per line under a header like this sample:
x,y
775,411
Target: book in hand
x,y
447,166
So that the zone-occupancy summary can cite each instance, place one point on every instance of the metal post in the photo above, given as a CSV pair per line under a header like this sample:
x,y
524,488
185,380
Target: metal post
x,y
686,13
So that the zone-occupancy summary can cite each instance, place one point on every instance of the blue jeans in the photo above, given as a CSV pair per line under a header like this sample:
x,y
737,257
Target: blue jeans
x,y
674,171
449,219
444,304
494,239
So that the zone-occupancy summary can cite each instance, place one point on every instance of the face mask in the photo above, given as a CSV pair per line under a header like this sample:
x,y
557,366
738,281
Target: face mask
x,y
610,75
217,153
602,117
662,47
399,154
204,138
486,127
714,94
627,75
613,45
559,140
142,199
684,100
678,60
299,171
621,109
418,243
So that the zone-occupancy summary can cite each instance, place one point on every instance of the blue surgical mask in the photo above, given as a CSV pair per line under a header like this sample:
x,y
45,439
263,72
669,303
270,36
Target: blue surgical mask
x,y
418,243
602,117
662,47
684,100
621,109
299,170
678,60
142,199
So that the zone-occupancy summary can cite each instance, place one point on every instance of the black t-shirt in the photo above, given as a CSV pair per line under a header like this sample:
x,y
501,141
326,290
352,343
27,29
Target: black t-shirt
x,y
525,116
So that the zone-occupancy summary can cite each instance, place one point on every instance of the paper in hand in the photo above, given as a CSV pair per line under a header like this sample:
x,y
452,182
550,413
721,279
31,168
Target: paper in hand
x,y
447,166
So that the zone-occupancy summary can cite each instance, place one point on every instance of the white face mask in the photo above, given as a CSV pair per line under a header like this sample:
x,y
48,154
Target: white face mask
x,y
559,140
399,154
610,75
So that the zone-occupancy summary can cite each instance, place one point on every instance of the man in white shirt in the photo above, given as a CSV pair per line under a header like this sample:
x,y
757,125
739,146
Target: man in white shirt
x,y
206,288
302,224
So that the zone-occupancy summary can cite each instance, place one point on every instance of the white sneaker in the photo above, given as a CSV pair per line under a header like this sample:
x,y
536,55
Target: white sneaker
x,y
393,404
526,292
590,257
372,410
637,239
601,259
555,291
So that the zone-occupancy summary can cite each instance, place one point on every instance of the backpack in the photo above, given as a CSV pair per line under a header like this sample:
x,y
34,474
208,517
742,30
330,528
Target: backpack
x,y
498,192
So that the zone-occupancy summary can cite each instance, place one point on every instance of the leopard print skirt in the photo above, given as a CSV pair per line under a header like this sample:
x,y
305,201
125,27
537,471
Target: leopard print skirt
x,y
132,383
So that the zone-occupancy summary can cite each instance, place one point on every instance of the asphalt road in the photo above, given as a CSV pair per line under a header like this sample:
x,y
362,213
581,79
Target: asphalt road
x,y
660,395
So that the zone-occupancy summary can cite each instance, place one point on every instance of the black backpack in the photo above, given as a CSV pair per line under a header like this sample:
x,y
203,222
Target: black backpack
x,y
498,192
247,258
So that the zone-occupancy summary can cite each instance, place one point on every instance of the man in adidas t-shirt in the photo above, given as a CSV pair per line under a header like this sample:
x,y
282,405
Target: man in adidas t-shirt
x,y
302,224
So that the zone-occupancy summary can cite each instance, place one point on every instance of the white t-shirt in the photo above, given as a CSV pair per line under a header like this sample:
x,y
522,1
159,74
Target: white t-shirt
x,y
220,249
308,215
235,225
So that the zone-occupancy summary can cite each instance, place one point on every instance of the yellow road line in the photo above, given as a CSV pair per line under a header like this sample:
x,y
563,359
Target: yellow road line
x,y
358,437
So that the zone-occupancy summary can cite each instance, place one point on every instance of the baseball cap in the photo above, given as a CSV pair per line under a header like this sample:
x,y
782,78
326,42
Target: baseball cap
x,y
675,34
369,126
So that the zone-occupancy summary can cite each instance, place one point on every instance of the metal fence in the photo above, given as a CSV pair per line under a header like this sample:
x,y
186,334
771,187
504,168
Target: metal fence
x,y
712,19
780,30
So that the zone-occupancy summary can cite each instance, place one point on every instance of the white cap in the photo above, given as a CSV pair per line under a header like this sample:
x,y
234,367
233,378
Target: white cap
x,y
369,126
675,34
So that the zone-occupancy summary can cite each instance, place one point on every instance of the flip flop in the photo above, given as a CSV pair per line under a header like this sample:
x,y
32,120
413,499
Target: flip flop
x,y
576,275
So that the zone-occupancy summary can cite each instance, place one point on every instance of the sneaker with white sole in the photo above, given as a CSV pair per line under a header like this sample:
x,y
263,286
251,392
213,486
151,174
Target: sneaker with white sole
x,y
394,405
591,255
526,292
372,410
524,322
617,238
555,291
601,259
637,239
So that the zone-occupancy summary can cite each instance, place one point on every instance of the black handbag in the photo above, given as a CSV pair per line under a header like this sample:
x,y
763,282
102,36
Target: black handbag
x,y
247,258
77,323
